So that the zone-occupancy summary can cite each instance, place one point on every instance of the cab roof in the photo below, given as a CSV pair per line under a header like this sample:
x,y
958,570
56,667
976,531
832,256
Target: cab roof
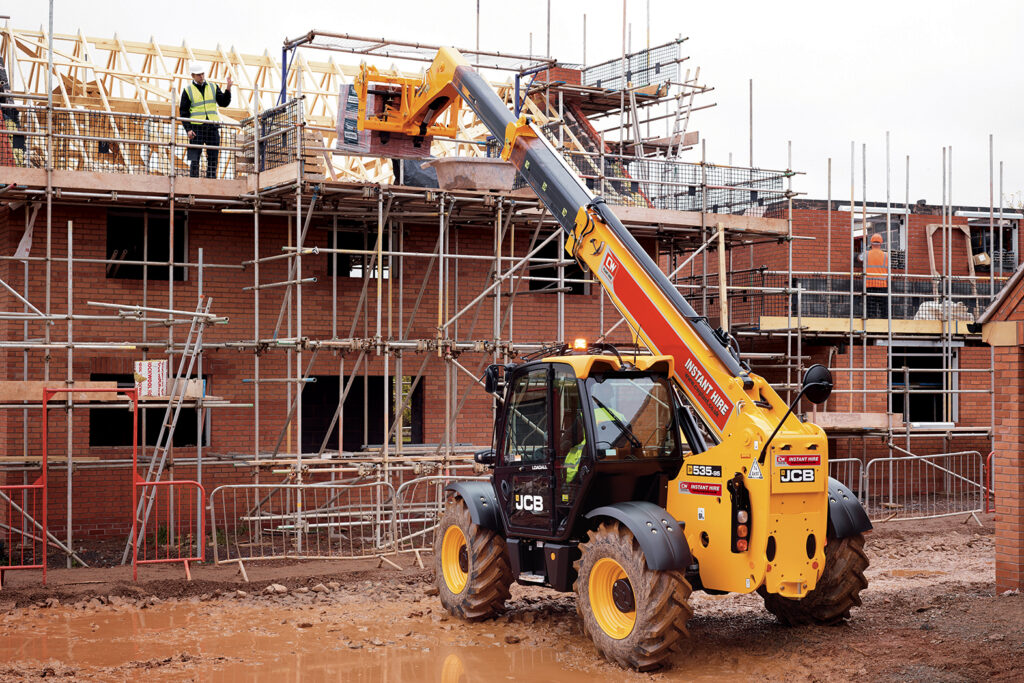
x,y
584,365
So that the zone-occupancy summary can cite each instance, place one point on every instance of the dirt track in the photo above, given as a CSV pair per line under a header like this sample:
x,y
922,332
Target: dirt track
x,y
929,613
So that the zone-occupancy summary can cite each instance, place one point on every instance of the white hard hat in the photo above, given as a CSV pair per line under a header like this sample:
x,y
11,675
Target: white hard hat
x,y
196,68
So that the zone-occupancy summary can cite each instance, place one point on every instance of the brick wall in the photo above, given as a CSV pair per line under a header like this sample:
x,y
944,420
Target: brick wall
x,y
831,246
1009,470
102,495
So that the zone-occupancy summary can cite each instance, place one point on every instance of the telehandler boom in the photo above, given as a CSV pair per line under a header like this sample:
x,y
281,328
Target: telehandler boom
x,y
631,480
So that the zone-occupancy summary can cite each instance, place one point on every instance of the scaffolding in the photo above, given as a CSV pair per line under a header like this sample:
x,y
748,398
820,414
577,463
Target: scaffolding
x,y
422,307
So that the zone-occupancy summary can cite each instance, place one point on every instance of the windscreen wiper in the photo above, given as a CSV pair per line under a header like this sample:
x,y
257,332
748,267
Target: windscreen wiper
x,y
623,427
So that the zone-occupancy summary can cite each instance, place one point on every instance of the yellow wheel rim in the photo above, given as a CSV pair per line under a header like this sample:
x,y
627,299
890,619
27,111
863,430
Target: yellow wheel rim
x,y
453,670
452,545
610,618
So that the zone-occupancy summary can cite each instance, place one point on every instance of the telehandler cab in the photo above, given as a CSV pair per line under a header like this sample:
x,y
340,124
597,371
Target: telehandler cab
x,y
631,479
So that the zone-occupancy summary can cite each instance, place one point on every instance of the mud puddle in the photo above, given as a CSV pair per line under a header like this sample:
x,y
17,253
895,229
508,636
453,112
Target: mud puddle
x,y
258,643
261,640
384,625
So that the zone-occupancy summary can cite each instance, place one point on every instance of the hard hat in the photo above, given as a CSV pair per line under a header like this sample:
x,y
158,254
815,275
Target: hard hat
x,y
876,239
196,68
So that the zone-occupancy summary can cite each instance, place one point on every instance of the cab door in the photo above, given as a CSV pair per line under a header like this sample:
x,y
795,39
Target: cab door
x,y
524,471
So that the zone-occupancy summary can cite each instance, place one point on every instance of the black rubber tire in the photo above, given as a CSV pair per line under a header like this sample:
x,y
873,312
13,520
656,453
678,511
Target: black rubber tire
x,y
490,573
838,589
661,598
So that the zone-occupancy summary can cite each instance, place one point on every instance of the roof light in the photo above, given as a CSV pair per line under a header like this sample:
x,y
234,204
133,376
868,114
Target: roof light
x,y
579,344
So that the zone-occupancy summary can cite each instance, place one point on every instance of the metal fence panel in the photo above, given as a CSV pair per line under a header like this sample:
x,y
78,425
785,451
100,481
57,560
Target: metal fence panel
x,y
175,528
302,521
420,503
22,527
849,472
922,486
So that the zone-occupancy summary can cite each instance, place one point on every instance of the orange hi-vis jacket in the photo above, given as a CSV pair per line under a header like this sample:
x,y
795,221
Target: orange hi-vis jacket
x,y
877,263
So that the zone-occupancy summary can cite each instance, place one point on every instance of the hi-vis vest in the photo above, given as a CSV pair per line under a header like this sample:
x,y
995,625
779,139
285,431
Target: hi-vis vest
x,y
876,268
204,103
572,460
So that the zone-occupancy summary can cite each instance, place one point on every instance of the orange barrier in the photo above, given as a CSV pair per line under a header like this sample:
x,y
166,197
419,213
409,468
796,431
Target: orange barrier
x,y
22,534
175,529
173,521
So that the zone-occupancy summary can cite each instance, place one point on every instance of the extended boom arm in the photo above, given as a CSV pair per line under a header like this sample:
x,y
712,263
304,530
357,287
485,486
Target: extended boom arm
x,y
706,366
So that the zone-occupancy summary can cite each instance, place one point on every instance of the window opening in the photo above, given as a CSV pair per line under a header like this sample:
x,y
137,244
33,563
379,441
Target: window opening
x,y
127,241
545,276
357,265
896,243
111,427
924,400
320,402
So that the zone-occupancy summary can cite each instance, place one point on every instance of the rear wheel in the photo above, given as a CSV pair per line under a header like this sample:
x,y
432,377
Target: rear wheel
x,y
635,616
471,565
837,591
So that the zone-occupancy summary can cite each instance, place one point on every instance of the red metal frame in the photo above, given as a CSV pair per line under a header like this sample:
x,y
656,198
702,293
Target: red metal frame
x,y
42,482
173,523
137,482
171,484
39,484
990,494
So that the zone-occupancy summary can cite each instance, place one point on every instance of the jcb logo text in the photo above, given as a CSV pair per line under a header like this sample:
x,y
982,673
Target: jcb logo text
x,y
792,475
529,503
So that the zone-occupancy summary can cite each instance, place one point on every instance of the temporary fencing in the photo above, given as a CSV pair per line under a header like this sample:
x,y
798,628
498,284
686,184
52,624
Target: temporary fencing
x,y
22,534
922,486
175,529
418,507
849,472
302,521
328,520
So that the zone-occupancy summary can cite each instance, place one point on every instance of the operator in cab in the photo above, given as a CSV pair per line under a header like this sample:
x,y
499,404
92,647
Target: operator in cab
x,y
604,419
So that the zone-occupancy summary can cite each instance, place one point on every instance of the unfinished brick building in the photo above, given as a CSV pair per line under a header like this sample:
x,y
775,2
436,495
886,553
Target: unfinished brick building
x,y
350,316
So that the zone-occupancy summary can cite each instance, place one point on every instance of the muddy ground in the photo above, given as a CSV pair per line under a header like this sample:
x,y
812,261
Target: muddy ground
x,y
929,614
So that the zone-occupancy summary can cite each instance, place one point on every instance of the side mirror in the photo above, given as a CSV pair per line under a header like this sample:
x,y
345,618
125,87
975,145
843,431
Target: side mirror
x,y
817,386
492,378
484,457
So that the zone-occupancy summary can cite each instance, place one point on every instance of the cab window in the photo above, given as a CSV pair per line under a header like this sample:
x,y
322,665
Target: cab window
x,y
526,425
634,417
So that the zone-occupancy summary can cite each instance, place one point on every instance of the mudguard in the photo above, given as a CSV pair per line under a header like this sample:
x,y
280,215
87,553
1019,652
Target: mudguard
x,y
482,503
659,534
846,517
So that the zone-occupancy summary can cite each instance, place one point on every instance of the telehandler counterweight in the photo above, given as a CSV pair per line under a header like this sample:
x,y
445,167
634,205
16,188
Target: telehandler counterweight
x,y
631,479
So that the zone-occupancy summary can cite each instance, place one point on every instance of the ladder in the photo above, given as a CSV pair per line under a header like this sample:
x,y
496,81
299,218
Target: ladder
x,y
165,438
684,105
638,138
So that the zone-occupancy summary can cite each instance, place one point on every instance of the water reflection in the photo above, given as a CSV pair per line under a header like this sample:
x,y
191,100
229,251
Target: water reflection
x,y
225,642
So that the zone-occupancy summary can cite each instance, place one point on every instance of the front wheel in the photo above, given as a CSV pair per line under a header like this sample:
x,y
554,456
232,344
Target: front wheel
x,y
471,565
837,591
635,616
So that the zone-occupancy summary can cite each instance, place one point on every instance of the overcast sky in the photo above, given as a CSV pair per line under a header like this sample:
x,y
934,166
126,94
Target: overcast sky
x,y
932,73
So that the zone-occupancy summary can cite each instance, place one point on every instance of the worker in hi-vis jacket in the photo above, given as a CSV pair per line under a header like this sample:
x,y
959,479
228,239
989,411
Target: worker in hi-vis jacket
x,y
604,418
876,278
199,102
